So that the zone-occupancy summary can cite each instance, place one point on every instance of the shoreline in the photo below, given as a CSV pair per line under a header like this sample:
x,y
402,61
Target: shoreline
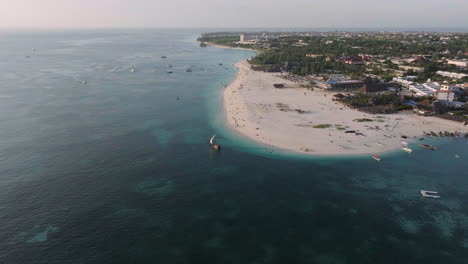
x,y
302,121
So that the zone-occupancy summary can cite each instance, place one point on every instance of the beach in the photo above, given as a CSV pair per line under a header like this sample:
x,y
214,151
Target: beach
x,y
298,119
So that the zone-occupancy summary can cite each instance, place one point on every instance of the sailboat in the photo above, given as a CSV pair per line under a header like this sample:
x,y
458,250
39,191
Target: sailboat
x,y
213,144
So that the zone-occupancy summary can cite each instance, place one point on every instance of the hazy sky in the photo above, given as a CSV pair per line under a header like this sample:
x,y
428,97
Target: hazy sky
x,y
232,13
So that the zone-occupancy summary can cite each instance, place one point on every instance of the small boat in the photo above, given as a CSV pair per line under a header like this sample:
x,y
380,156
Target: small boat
x,y
376,157
427,146
457,156
163,57
366,145
407,149
170,72
84,82
213,144
379,143
132,70
220,64
188,70
429,194
404,143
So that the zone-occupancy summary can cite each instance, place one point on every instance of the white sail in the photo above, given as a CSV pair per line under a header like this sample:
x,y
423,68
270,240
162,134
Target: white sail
x,y
212,139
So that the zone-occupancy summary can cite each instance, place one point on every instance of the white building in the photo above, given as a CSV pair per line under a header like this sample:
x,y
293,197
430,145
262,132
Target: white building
x,y
405,81
415,69
420,90
448,96
452,74
432,86
460,63
448,87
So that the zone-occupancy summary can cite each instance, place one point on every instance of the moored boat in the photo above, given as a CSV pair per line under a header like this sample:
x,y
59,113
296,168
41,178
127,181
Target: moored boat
x,y
376,157
407,149
404,143
427,146
429,194
213,144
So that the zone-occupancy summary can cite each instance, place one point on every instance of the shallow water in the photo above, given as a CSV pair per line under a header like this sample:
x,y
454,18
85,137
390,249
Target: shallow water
x,y
118,170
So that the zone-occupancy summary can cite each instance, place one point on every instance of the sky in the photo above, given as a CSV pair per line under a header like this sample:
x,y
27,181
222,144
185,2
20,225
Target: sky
x,y
232,13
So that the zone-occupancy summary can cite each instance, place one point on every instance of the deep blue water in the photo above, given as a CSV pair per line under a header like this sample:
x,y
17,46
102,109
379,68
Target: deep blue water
x,y
118,170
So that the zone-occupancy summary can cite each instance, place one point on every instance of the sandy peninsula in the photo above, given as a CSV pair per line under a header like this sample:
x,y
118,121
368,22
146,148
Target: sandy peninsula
x,y
301,120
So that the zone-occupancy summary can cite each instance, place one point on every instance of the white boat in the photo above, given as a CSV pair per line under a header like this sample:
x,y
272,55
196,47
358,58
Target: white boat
x,y
429,194
404,143
213,144
407,149
376,157
132,70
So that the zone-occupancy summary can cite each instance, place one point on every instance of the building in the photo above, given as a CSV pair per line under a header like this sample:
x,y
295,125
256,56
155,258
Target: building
x,y
448,96
421,90
371,86
459,63
448,87
336,84
414,69
431,86
419,60
452,74
313,56
354,60
405,81
252,38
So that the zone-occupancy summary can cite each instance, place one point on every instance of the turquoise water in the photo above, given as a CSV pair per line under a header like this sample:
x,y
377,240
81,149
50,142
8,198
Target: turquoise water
x,y
118,170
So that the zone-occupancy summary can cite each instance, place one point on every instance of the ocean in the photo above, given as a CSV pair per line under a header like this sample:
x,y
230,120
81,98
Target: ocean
x,y
104,158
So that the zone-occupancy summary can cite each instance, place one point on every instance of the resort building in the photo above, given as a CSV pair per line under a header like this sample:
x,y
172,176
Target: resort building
x,y
405,81
448,87
415,69
452,74
448,96
459,63
432,86
421,90
335,84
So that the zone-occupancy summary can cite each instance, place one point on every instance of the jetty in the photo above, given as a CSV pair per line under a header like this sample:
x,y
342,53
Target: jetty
x,y
429,194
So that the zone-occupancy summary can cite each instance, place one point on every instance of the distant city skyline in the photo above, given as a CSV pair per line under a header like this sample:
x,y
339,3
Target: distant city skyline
x,y
234,14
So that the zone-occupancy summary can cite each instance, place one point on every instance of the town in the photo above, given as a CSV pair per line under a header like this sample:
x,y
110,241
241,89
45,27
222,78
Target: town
x,y
376,72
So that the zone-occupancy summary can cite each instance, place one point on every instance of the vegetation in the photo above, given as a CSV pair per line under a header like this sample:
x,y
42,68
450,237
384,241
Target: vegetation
x,y
323,126
363,120
328,48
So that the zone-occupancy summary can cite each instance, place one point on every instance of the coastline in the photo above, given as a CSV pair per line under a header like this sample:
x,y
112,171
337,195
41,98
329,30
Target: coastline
x,y
229,47
303,121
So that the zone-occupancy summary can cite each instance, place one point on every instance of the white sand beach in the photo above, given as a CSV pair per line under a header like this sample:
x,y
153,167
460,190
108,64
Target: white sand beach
x,y
268,115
